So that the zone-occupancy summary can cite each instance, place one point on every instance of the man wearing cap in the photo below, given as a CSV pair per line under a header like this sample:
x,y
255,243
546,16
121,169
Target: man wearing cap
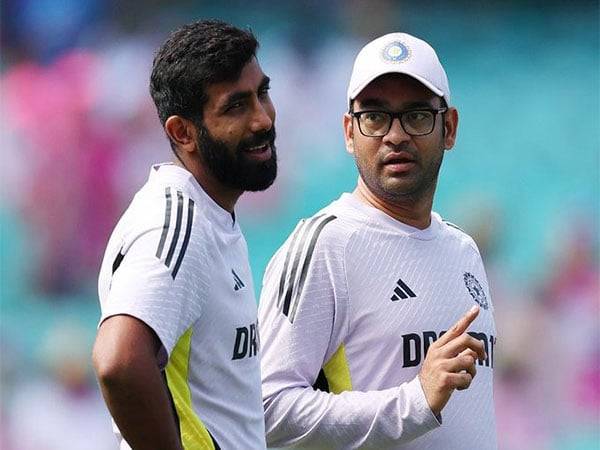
x,y
375,312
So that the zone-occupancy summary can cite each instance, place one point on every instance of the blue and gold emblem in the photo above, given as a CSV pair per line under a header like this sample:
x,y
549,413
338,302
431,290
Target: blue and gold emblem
x,y
475,290
395,52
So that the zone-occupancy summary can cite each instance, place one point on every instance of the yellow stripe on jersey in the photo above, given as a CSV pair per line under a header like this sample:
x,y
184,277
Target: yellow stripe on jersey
x,y
337,372
194,435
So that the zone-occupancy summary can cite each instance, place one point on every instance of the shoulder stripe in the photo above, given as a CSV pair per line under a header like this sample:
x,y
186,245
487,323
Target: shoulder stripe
x,y
301,255
186,237
118,260
306,264
177,228
163,236
288,256
450,224
298,253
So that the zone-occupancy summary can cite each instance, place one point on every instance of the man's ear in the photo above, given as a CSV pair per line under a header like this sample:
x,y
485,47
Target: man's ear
x,y
349,133
182,132
450,127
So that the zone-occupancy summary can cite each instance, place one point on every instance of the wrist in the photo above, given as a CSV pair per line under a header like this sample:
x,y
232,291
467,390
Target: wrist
x,y
435,410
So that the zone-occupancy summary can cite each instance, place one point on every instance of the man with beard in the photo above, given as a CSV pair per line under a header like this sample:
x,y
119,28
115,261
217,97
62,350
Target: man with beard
x,y
365,309
177,348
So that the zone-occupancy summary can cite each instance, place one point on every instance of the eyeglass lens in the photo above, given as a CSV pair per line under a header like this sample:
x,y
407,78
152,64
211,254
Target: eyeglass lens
x,y
378,123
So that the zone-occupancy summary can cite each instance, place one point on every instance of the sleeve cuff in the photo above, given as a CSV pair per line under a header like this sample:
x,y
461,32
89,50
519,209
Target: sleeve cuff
x,y
422,412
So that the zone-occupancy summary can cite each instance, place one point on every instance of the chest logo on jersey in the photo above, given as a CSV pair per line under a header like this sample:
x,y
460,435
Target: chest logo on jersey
x,y
402,291
475,290
237,281
246,342
416,345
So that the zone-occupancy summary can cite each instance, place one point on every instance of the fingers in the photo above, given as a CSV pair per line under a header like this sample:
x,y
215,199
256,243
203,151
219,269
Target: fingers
x,y
462,343
450,362
468,351
463,364
460,363
459,327
462,380
471,371
475,356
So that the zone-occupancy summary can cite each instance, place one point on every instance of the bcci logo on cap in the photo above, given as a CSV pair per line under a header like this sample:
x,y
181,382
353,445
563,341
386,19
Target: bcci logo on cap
x,y
475,290
395,52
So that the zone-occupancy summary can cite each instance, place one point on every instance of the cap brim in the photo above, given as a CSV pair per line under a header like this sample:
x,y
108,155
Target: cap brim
x,y
421,80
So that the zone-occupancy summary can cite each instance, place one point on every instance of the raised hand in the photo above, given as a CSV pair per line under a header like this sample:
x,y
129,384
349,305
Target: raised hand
x,y
450,363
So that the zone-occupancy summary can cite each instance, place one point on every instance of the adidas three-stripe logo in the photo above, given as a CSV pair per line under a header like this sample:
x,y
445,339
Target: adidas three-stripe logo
x,y
402,291
238,281
176,232
297,261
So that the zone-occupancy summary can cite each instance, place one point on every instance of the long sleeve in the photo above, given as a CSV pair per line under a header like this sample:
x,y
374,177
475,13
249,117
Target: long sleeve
x,y
304,321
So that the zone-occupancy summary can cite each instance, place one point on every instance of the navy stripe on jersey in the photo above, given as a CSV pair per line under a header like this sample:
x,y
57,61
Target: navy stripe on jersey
x,y
292,275
165,231
450,224
176,232
307,259
309,233
186,237
214,441
118,260
288,256
177,228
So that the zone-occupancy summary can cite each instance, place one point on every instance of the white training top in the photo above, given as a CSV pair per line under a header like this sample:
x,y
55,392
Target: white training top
x,y
179,262
349,306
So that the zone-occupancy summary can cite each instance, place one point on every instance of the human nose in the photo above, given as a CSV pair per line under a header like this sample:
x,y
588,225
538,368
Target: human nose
x,y
263,117
396,135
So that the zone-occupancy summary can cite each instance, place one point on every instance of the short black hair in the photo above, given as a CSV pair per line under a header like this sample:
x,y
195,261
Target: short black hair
x,y
193,57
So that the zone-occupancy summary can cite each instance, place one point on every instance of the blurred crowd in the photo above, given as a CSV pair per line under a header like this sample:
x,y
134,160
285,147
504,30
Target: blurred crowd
x,y
79,133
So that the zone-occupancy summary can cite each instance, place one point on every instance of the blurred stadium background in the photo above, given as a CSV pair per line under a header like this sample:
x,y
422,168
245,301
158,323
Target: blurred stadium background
x,y
79,133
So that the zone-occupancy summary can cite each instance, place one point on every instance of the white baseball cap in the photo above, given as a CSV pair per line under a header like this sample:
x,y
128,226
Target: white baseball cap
x,y
398,53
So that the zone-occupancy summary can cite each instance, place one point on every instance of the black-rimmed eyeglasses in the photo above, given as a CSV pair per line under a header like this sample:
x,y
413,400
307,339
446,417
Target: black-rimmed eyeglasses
x,y
415,122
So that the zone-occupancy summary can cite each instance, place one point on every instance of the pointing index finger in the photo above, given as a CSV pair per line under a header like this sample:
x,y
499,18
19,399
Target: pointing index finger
x,y
461,326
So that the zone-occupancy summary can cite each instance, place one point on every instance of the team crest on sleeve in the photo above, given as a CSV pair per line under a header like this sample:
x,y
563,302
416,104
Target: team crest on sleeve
x,y
475,289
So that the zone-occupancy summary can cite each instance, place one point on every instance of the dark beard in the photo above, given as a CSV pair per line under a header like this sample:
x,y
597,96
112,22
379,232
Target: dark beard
x,y
232,167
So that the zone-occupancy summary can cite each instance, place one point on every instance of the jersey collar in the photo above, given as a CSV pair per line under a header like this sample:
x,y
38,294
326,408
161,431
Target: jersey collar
x,y
382,218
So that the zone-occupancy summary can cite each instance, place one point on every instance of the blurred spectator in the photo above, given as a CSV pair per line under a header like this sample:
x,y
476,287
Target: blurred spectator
x,y
61,409
79,132
570,295
69,187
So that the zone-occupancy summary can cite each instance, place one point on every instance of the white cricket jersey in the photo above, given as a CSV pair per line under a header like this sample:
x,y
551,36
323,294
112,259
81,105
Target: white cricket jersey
x,y
179,262
349,306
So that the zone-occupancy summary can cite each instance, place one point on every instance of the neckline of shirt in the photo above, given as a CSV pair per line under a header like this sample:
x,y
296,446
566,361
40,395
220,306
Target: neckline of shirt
x,y
382,218
172,172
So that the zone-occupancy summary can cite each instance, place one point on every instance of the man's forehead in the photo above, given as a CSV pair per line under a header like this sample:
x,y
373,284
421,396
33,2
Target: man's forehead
x,y
393,88
251,77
